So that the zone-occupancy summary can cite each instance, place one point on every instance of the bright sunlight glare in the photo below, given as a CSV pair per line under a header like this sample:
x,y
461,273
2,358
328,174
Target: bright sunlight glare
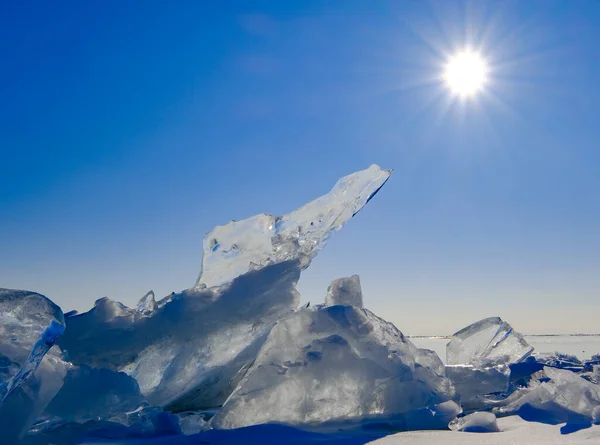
x,y
465,73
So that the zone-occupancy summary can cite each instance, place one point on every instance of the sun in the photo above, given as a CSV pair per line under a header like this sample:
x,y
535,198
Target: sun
x,y
465,74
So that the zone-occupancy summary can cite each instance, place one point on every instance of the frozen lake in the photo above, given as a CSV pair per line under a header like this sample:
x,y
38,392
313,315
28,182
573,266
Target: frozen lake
x,y
581,346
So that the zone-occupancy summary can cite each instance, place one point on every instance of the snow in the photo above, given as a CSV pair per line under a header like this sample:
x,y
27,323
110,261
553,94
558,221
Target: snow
x,y
478,422
345,291
514,431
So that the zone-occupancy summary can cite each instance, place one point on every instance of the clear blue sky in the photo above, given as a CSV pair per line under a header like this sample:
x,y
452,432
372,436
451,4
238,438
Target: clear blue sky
x,y
129,129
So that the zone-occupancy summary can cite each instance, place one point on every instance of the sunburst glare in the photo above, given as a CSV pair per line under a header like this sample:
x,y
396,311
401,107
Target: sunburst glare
x,y
466,73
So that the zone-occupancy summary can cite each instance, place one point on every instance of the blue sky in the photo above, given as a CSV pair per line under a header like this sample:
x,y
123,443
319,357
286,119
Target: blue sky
x,y
130,129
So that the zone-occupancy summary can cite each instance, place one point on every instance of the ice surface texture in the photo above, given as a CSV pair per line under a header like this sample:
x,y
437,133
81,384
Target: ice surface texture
x,y
29,378
345,291
190,350
558,396
488,342
472,384
240,246
340,364
94,394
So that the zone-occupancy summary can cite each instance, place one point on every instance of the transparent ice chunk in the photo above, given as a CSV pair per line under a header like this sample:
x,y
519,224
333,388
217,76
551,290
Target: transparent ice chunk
x,y
30,376
240,246
339,364
189,351
472,384
94,394
147,304
559,360
488,342
557,396
345,291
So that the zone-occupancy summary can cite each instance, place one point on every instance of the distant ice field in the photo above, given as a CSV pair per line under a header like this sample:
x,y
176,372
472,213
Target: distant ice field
x,y
581,346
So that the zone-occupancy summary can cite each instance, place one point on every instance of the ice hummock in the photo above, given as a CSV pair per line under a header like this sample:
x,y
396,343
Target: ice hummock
x,y
29,377
557,396
241,343
189,351
340,364
488,342
241,246
345,290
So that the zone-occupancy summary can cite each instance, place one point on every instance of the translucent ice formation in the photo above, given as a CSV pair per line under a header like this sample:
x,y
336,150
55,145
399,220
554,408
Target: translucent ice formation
x,y
189,350
140,423
559,360
558,396
29,376
340,364
147,304
345,291
488,342
479,422
240,246
472,384
192,423
94,394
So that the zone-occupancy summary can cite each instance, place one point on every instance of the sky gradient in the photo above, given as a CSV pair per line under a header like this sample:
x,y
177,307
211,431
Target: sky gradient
x,y
130,129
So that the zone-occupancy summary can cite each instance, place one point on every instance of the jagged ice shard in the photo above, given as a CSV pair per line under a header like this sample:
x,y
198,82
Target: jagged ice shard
x,y
345,290
241,246
340,364
189,350
488,342
29,376
558,396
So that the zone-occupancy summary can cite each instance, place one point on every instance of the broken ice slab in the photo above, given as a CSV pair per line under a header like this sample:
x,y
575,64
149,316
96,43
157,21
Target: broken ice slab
x,y
29,376
589,364
31,364
345,291
557,396
240,246
142,423
191,350
340,364
478,422
94,394
559,360
488,342
472,384
24,316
